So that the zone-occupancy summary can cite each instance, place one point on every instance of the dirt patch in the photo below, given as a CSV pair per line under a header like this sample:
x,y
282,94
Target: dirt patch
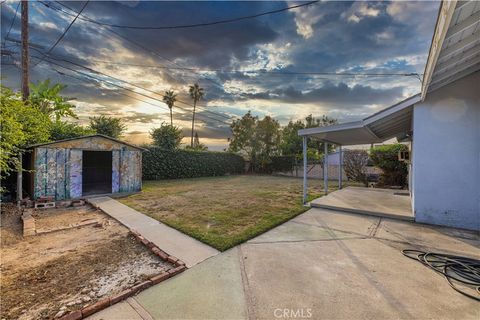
x,y
62,271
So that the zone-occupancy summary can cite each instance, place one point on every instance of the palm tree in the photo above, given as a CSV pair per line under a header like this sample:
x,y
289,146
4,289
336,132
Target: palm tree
x,y
169,98
196,93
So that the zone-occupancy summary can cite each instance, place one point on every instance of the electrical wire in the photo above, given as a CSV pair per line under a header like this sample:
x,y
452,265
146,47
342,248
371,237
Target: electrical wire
x,y
211,23
48,60
263,71
64,33
457,270
13,21
124,38
129,83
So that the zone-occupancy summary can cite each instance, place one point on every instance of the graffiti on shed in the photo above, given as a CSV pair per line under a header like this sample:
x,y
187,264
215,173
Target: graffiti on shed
x,y
58,166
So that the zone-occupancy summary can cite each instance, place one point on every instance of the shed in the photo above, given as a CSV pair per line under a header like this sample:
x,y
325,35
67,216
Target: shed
x,y
77,167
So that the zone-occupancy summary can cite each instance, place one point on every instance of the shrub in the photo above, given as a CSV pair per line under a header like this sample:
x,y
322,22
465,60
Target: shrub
x,y
354,163
161,163
386,158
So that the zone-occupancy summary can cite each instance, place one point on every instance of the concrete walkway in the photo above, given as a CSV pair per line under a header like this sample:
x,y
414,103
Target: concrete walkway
x,y
173,242
323,263
370,201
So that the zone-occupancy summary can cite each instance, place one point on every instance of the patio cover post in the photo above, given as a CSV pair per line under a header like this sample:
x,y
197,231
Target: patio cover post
x,y
325,167
340,167
304,170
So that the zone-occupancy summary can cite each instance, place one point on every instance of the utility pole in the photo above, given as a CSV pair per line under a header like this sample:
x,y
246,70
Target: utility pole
x,y
25,90
25,57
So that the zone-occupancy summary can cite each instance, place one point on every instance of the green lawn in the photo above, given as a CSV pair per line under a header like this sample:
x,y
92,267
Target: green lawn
x,y
224,211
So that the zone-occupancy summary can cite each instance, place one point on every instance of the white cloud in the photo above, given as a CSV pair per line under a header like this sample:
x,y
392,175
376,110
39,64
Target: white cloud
x,y
360,10
305,19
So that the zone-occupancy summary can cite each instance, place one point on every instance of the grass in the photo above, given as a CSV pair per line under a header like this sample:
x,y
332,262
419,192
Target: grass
x,y
224,211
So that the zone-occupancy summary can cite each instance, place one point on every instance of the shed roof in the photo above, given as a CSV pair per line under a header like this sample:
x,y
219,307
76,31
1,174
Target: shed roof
x,y
85,137
394,121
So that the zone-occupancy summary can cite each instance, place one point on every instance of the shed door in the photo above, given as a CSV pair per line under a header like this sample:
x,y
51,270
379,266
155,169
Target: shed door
x,y
96,172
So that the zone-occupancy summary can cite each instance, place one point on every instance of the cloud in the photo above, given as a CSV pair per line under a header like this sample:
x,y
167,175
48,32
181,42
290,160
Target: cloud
x,y
325,37
360,10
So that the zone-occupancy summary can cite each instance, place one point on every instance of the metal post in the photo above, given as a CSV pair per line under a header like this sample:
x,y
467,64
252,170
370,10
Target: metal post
x,y
325,166
340,167
305,170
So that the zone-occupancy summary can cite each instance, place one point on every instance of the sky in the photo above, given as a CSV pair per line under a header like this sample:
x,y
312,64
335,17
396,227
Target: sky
x,y
244,65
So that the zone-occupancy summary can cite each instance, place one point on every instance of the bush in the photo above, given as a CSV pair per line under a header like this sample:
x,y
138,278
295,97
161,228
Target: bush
x,y
385,157
354,163
160,163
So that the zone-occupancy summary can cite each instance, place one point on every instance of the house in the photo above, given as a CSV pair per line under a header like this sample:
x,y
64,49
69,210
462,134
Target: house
x,y
441,124
78,167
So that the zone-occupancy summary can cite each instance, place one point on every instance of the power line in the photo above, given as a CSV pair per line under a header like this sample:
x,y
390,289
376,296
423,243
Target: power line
x,y
13,21
64,33
263,71
196,70
121,87
185,26
129,83
150,51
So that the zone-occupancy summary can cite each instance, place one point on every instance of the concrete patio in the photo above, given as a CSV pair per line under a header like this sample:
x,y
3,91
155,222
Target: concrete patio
x,y
370,201
323,263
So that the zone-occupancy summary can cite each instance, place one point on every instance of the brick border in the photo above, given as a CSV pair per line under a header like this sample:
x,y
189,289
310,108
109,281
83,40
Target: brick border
x,y
179,266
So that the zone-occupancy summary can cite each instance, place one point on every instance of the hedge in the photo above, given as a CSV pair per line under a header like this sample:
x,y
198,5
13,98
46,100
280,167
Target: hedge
x,y
160,163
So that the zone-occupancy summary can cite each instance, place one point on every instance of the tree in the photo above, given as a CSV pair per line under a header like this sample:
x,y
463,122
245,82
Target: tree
x,y
243,135
167,136
112,127
292,143
21,125
64,130
324,121
169,98
258,139
385,157
196,93
48,99
354,163
197,146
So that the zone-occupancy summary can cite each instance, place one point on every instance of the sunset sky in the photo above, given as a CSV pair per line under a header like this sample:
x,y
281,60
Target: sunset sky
x,y
325,37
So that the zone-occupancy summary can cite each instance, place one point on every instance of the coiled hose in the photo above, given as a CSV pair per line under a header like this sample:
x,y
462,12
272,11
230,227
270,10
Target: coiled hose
x,y
463,274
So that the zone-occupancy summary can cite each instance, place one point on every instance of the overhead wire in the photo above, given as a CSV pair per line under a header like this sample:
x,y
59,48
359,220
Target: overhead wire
x,y
13,21
63,34
204,24
48,60
178,67
118,35
132,84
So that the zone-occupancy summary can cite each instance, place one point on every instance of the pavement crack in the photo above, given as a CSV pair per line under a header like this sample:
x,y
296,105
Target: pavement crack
x,y
249,300
309,240
374,228
325,227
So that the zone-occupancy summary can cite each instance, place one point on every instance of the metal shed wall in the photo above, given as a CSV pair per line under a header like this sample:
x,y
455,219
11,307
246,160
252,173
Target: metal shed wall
x,y
58,167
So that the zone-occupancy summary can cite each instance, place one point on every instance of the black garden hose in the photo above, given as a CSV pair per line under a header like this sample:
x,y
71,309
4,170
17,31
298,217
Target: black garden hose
x,y
456,269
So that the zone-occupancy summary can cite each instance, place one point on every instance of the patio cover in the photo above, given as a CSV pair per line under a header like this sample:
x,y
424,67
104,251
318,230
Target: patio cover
x,y
394,121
